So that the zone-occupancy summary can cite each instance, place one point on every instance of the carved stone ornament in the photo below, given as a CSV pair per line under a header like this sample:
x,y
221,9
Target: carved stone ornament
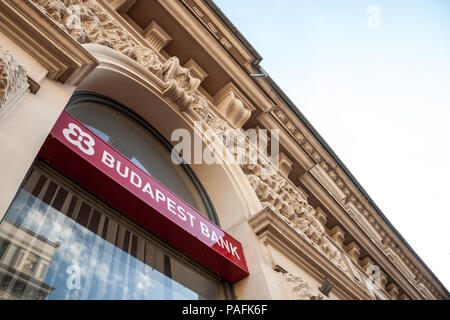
x,y
88,22
275,191
13,78
300,289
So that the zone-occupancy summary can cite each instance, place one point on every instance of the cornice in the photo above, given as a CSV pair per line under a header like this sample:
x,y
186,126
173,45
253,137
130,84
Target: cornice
x,y
375,250
272,229
220,31
327,169
37,33
235,70
351,198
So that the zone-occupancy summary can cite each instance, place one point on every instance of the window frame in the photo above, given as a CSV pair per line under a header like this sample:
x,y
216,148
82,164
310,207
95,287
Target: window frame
x,y
226,289
92,97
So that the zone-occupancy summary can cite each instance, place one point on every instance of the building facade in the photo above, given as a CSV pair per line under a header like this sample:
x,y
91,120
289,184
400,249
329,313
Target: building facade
x,y
95,203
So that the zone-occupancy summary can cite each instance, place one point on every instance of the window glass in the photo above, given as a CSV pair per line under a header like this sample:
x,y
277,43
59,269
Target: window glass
x,y
58,244
140,146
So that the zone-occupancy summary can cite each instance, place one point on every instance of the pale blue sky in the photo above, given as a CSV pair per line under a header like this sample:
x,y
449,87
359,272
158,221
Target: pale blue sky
x,y
379,97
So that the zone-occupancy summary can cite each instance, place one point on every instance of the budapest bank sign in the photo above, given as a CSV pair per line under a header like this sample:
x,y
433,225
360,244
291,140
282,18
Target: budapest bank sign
x,y
82,156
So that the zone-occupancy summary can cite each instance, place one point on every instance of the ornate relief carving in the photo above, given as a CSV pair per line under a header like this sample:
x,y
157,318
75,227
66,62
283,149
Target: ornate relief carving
x,y
353,251
342,191
178,95
338,235
276,192
201,106
174,71
150,60
182,85
13,77
300,288
87,22
392,290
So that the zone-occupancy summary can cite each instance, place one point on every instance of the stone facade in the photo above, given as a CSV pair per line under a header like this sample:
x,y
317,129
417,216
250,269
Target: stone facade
x,y
13,77
103,23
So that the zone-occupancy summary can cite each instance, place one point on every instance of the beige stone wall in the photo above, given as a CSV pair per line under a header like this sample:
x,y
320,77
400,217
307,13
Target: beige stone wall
x,y
25,119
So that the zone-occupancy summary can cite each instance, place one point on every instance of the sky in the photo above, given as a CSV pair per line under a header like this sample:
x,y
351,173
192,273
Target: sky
x,y
373,77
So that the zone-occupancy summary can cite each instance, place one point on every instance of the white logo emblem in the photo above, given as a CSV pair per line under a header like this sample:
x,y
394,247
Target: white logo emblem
x,y
81,139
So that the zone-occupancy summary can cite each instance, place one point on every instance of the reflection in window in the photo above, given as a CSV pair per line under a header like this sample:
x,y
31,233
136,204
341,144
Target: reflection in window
x,y
56,245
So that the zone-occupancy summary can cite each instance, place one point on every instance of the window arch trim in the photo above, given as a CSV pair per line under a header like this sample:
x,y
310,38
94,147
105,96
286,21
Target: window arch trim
x,y
92,97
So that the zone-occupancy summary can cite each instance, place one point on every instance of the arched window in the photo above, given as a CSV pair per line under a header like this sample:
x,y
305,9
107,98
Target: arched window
x,y
141,144
58,241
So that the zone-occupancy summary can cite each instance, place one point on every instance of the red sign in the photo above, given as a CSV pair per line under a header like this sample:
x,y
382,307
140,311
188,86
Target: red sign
x,y
78,153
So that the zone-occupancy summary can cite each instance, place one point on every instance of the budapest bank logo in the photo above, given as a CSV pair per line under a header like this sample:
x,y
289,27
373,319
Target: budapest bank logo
x,y
76,136
250,147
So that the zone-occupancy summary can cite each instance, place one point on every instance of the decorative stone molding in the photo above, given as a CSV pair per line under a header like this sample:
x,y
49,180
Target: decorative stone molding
x,y
338,235
321,175
321,216
357,216
285,164
34,86
403,296
156,36
342,190
172,70
196,70
149,59
299,288
280,239
383,279
379,277
366,263
13,80
178,95
393,290
182,87
208,18
425,291
263,138
279,194
352,250
397,261
233,105
116,4
87,22
95,25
